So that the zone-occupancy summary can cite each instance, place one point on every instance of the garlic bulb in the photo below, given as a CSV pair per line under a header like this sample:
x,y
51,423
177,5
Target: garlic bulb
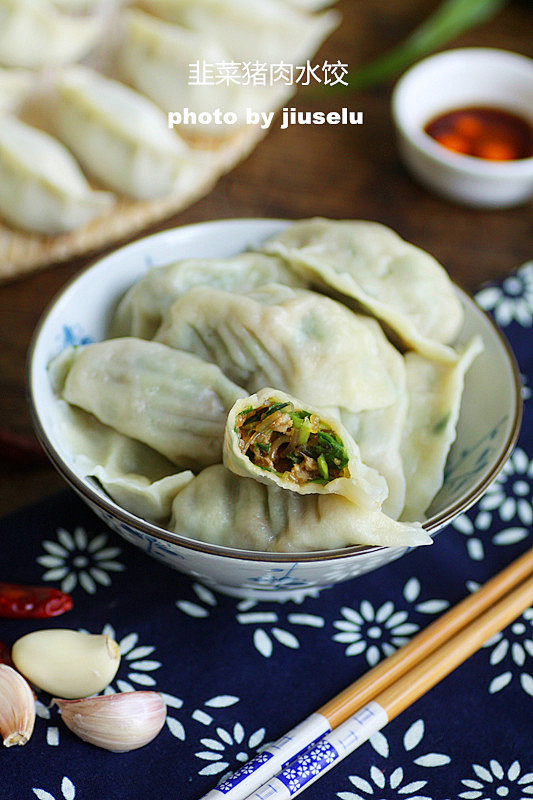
x,y
65,662
17,707
116,722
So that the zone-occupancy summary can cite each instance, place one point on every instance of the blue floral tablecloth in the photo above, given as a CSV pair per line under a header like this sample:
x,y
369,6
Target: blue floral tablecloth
x,y
237,674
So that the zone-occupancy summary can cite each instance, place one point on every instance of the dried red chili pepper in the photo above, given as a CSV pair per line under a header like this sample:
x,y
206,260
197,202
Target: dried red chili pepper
x,y
18,601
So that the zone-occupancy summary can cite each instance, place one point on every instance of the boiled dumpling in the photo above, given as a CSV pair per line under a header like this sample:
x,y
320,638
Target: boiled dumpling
x,y
43,189
395,281
434,392
275,439
121,137
225,509
33,34
378,433
298,341
142,308
175,403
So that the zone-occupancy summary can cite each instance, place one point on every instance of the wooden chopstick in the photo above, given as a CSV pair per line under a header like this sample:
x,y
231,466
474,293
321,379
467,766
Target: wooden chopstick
x,y
390,669
318,759
358,694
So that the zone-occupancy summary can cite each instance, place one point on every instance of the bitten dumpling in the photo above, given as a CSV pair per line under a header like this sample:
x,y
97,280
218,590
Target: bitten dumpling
x,y
43,189
34,34
220,507
400,284
121,137
175,403
274,438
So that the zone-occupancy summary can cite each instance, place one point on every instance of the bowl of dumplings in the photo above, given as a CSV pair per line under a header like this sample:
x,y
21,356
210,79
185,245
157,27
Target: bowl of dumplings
x,y
273,407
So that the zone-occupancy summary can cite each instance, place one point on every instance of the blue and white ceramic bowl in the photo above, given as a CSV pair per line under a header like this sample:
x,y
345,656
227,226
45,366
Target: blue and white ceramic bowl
x,y
488,426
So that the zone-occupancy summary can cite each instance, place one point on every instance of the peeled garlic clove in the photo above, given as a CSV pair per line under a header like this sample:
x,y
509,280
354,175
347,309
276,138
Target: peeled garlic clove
x,y
67,663
116,722
17,707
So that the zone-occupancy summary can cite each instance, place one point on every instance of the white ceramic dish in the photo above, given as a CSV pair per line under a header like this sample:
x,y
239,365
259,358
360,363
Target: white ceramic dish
x,y
450,80
82,311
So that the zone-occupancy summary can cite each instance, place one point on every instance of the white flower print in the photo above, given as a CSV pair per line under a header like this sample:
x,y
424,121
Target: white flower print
x,y
398,781
68,791
133,662
77,558
513,299
264,638
381,631
514,644
52,731
193,609
202,715
510,494
494,782
228,748
481,523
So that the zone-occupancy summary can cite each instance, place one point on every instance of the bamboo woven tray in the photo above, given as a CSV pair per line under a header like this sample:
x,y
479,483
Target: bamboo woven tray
x,y
22,253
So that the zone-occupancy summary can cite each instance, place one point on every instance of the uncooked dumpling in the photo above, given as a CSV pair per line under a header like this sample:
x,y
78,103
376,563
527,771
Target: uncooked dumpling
x,y
121,137
43,188
34,34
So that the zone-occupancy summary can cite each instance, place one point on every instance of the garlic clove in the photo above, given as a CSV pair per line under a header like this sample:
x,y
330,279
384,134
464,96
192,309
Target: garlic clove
x,y
17,707
116,722
66,662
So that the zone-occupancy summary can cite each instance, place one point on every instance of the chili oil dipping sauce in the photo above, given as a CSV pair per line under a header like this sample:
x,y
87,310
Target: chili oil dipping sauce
x,y
464,124
483,132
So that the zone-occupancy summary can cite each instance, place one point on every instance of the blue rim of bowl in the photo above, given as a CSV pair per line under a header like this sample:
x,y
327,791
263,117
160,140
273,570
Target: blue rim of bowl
x,y
84,488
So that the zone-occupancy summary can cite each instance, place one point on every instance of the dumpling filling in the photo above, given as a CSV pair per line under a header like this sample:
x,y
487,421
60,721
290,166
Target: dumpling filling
x,y
291,442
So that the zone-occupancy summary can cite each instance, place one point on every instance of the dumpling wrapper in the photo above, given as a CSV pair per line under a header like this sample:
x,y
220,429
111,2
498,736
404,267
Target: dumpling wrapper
x,y
378,433
142,308
122,138
222,508
34,34
251,30
357,482
434,392
155,57
136,477
43,188
15,86
400,284
175,403
301,342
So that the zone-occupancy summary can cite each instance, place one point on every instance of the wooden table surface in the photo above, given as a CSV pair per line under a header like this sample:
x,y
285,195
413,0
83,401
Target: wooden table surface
x,y
334,171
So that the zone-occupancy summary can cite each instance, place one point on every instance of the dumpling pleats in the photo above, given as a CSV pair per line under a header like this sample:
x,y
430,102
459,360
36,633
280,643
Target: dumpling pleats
x,y
226,509
400,284
297,341
173,402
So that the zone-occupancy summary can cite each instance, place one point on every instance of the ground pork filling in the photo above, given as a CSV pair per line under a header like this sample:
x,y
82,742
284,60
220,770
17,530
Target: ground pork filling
x,y
291,442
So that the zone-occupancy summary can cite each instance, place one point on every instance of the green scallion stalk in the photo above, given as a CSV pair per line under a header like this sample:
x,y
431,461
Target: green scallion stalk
x,y
323,466
448,21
